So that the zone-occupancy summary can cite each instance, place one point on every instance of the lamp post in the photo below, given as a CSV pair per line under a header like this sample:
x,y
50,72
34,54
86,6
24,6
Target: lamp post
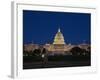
x,y
44,57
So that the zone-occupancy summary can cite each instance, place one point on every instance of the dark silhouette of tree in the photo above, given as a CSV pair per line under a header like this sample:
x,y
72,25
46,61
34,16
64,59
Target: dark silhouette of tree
x,y
83,52
36,52
76,51
26,53
89,48
88,51
30,53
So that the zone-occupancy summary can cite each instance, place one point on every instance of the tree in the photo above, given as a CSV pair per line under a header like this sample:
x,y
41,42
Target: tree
x,y
76,51
25,53
89,50
36,52
84,52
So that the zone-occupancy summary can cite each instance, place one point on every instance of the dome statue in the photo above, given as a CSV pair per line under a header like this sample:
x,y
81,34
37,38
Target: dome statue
x,y
59,38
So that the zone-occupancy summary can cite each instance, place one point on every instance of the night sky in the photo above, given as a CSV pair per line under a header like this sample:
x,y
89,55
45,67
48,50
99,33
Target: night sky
x,y
40,27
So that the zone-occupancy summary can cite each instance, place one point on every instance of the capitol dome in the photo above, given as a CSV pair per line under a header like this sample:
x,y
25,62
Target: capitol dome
x,y
59,39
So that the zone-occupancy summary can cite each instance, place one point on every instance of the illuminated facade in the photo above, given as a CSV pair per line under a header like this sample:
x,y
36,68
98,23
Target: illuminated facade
x,y
59,38
59,46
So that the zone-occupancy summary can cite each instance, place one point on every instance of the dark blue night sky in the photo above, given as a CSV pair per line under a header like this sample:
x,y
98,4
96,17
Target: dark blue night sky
x,y
40,27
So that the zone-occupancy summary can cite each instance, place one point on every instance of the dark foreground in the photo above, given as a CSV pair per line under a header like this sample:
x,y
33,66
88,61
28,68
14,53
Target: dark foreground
x,y
55,62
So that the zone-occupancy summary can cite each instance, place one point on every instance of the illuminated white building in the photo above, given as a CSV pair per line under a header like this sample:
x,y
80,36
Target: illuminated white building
x,y
59,46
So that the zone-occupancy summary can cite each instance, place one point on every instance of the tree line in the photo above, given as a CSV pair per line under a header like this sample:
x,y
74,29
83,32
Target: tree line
x,y
35,52
75,51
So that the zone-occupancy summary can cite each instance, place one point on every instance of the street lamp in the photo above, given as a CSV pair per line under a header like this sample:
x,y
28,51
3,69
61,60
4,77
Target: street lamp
x,y
43,56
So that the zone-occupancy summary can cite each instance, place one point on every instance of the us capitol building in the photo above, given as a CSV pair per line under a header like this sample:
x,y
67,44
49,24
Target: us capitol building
x,y
58,46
